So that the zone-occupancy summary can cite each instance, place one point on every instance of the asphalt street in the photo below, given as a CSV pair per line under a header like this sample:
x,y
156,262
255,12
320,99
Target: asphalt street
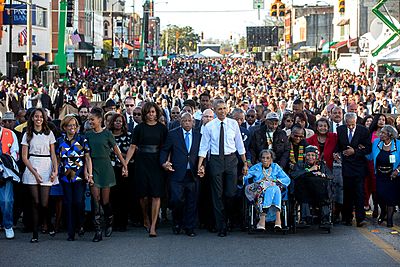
x,y
345,246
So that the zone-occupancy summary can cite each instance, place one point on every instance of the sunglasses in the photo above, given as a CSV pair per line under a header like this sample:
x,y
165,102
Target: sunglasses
x,y
289,120
174,112
137,114
129,105
251,116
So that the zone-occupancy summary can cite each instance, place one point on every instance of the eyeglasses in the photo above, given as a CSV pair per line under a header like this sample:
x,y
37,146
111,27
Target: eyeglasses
x,y
251,116
289,120
129,105
137,114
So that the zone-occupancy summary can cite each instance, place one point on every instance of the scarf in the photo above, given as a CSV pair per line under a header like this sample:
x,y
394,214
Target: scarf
x,y
300,157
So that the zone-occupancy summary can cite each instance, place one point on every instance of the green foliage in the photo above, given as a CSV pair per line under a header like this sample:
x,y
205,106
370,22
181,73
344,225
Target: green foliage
x,y
187,39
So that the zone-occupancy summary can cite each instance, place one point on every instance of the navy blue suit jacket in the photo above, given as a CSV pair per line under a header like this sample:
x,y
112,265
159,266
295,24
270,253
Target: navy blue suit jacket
x,y
176,147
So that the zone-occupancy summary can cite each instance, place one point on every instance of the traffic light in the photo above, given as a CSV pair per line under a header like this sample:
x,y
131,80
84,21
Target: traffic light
x,y
202,35
70,13
281,9
342,6
278,9
274,9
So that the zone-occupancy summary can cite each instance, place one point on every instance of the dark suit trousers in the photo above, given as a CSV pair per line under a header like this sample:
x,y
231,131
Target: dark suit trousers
x,y
183,201
74,205
223,174
120,199
353,196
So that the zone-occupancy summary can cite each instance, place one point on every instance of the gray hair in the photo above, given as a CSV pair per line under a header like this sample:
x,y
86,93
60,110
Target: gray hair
x,y
217,102
349,116
237,111
186,114
392,132
267,151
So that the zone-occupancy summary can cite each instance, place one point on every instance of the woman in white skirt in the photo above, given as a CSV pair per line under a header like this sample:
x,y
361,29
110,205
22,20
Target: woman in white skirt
x,y
38,154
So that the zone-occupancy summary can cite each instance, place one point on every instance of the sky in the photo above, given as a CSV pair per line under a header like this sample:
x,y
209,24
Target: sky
x,y
235,15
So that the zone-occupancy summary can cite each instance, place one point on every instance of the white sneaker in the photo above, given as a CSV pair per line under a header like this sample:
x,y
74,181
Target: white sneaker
x,y
9,233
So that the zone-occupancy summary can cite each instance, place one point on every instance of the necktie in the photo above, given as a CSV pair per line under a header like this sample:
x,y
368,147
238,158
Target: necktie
x,y
187,141
350,136
130,119
221,141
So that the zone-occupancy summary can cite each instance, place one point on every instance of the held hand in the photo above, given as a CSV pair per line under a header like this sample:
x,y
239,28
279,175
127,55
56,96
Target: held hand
x,y
314,168
53,176
360,146
336,157
245,169
395,173
168,166
125,171
349,151
201,172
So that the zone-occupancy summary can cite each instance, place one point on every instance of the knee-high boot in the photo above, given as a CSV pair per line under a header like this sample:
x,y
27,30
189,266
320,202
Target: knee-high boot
x,y
97,222
108,216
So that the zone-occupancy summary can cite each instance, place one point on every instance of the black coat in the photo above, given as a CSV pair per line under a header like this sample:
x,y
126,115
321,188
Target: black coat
x,y
354,165
280,145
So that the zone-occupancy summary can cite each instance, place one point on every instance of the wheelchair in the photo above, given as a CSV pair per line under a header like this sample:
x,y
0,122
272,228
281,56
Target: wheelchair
x,y
251,217
320,206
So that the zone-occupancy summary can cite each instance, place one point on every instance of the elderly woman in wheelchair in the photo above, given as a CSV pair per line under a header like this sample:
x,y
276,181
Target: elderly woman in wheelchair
x,y
264,182
313,186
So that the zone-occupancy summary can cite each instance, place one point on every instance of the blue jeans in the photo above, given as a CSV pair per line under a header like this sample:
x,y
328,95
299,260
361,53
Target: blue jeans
x,y
7,203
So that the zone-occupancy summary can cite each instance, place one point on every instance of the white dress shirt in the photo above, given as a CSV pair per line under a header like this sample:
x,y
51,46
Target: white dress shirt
x,y
335,125
232,138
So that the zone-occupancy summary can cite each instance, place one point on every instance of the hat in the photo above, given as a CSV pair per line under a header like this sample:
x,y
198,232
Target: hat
x,y
8,116
310,148
272,116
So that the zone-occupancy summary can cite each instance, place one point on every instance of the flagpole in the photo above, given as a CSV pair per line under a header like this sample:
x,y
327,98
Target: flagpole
x,y
10,57
28,62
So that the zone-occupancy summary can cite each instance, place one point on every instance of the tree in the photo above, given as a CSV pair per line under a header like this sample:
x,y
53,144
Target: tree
x,y
187,39
242,43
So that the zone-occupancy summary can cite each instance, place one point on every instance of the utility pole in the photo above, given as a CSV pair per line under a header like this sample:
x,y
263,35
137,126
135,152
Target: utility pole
x,y
28,62
10,51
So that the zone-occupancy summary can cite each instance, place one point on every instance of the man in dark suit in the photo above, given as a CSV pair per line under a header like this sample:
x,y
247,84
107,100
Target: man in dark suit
x,y
182,148
354,142
336,119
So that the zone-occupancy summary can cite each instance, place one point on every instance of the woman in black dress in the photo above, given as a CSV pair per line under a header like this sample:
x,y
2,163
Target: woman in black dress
x,y
147,140
120,193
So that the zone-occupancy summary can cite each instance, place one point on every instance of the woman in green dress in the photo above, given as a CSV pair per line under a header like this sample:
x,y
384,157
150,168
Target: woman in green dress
x,y
100,142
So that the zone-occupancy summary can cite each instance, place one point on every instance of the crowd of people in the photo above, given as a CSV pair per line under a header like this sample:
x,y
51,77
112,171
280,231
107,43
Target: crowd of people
x,y
195,137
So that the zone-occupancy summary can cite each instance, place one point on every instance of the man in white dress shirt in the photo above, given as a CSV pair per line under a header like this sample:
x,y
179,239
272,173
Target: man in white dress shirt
x,y
222,138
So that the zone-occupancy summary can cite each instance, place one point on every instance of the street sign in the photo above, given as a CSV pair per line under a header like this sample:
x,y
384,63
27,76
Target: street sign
x,y
125,52
97,54
70,50
258,4
116,52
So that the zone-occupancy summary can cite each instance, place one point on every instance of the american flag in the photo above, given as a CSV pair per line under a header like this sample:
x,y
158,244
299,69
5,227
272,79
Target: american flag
x,y
75,38
22,37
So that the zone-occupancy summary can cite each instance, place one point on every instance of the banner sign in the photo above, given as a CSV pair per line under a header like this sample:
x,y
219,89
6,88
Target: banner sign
x,y
19,14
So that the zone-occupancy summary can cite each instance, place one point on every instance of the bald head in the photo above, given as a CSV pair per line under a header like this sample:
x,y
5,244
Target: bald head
x,y
208,115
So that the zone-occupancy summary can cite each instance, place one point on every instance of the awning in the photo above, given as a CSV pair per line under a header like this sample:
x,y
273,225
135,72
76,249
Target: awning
x,y
297,46
326,47
343,43
37,57
85,46
343,22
